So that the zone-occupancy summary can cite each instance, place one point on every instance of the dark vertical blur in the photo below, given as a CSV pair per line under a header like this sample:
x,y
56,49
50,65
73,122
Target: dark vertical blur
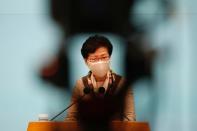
x,y
111,16
86,16
82,16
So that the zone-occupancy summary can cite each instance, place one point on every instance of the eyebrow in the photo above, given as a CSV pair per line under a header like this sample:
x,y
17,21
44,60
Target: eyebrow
x,y
104,54
99,55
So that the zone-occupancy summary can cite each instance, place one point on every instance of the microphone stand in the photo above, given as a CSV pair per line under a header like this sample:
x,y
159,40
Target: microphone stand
x,y
62,111
86,91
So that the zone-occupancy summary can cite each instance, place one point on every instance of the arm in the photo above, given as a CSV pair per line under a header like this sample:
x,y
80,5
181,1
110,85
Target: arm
x,y
129,110
129,105
72,111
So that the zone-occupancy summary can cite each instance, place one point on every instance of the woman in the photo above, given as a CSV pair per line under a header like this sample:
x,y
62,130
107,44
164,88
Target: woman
x,y
100,95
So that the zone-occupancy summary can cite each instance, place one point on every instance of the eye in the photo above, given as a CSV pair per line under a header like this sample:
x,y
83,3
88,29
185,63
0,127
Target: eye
x,y
92,59
105,57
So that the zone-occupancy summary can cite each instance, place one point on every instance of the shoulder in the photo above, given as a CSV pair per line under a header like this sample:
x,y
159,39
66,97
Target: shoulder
x,y
122,83
80,82
78,88
120,80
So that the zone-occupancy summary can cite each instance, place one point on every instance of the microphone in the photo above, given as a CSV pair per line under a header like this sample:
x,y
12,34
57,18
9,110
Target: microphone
x,y
101,90
86,91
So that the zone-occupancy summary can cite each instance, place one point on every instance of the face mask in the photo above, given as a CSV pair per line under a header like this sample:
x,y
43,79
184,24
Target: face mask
x,y
99,68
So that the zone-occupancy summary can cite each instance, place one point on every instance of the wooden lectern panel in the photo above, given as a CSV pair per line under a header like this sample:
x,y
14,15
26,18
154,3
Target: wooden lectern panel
x,y
74,126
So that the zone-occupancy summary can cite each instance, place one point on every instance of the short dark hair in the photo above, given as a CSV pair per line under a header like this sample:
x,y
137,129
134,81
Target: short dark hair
x,y
95,42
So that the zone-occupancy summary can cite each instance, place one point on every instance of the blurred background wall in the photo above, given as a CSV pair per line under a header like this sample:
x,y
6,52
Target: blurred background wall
x,y
28,38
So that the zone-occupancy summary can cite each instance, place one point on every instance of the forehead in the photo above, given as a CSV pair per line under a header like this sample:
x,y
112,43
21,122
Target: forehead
x,y
99,52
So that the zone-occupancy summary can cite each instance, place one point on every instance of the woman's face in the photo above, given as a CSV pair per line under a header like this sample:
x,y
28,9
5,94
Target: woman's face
x,y
98,62
101,54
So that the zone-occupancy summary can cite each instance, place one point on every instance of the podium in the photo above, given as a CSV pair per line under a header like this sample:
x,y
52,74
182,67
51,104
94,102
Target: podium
x,y
74,126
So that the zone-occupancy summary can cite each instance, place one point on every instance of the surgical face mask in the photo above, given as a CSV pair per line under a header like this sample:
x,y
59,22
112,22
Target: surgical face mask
x,y
99,68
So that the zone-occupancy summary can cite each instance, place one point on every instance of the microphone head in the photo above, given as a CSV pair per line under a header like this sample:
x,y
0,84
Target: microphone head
x,y
86,90
101,90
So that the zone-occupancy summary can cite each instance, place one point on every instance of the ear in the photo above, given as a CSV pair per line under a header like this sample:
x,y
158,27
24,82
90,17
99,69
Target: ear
x,y
86,61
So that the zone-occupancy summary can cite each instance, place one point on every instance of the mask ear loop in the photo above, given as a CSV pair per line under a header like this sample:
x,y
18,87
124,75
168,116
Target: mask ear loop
x,y
90,85
110,86
112,77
